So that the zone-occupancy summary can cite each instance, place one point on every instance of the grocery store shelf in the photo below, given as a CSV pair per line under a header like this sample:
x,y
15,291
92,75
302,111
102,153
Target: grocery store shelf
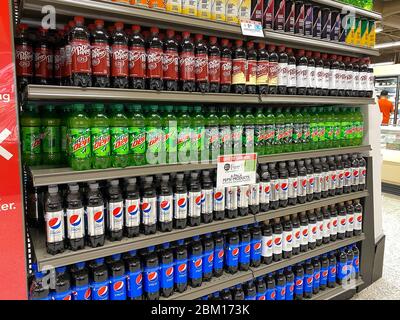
x,y
69,257
319,100
228,280
358,11
331,293
301,42
47,176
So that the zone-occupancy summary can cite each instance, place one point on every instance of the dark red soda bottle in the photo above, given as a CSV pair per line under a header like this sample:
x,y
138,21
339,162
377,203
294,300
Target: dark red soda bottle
x,y
226,66
119,57
58,51
214,65
273,70
171,62
24,57
81,69
239,68
201,64
262,69
251,77
43,58
100,55
137,59
154,60
187,63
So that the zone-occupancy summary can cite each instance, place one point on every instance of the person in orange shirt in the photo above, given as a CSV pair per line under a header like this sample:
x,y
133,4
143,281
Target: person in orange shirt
x,y
386,107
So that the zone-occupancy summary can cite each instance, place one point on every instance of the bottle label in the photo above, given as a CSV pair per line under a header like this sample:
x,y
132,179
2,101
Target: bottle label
x,y
254,197
284,189
132,212
302,78
259,135
269,134
279,134
80,56
342,227
356,176
219,254
251,77
54,226
293,184
117,288
75,223
292,75
137,140
243,196
194,204
212,141
154,63
266,248
277,243
226,70
362,174
198,139
311,81
319,77
225,136
119,141
320,229
207,197
214,69
137,62
350,222
304,235
201,67
363,80
343,80
231,202
244,252
79,143
134,281
101,141
248,139
325,182
329,131
312,232
265,192
287,241
31,140
95,221
282,74
326,228
232,255
219,199
349,80
306,135
43,63
239,71
149,211
308,283
82,293
154,137
358,217
262,72
151,280
208,261
327,74
334,79
115,215
180,206
184,138
310,183
333,180
180,272
317,182
100,59
334,225
237,137
340,178
273,73
356,80
187,66
275,186
166,275
255,252
24,60
302,186
296,236
297,133
288,133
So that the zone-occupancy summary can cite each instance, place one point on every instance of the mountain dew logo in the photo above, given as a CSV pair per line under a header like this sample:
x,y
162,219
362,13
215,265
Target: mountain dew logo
x,y
101,141
35,143
79,142
120,141
154,139
138,141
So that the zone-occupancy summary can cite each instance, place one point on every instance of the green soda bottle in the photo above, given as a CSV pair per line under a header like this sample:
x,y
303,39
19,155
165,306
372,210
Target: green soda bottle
x,y
314,128
225,132
101,138
269,134
79,139
237,128
329,127
297,134
170,130
31,135
51,136
212,133
306,131
287,146
198,131
137,135
154,135
360,127
119,137
259,132
184,134
280,126
321,128
65,110
337,127
345,127
248,131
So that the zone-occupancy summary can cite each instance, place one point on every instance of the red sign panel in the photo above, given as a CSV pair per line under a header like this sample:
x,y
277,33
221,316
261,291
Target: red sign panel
x,y
12,238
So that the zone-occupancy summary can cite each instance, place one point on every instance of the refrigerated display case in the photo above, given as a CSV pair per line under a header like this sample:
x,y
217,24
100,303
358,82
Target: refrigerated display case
x,y
391,85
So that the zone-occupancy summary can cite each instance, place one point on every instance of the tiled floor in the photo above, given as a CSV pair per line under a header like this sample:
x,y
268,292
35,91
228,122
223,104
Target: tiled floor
x,y
388,287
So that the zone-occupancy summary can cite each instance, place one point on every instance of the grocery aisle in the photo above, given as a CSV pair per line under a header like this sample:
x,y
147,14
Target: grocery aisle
x,y
388,287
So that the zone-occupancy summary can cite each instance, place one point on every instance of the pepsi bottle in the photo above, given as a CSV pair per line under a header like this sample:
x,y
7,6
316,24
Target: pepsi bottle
x,y
274,195
350,267
299,282
358,217
310,180
312,230
342,221
232,251
332,272
320,226
271,289
304,232
194,197
334,222
296,234
54,217
180,202
243,200
350,219
355,168
317,274
256,245
254,196
99,280
80,282
339,175
293,183
283,185
165,205
250,292
63,285
324,272
206,197
117,278
347,173
265,189
326,178
218,254
302,182
132,209
244,249
149,207
150,273
195,262
181,269
287,238
75,219
219,204
134,277
208,257
166,271
267,243
317,178
308,279
333,176
95,216
289,284
39,289
341,267
277,240
115,211
231,202
280,281
261,289
356,261
326,234
362,172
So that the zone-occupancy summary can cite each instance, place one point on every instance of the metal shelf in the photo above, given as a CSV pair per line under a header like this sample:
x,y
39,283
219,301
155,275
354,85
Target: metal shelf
x,y
69,257
43,176
331,293
228,280
78,94
358,11
310,43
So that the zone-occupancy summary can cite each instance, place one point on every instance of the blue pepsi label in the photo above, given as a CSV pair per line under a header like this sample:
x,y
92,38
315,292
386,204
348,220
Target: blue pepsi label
x,y
308,282
167,275
151,280
100,290
317,278
82,293
251,297
208,262
356,264
67,295
271,294
280,292
180,272
118,288
232,255
134,284
261,295
289,290
255,252
244,252
195,267
324,276
299,285
341,270
332,274
219,254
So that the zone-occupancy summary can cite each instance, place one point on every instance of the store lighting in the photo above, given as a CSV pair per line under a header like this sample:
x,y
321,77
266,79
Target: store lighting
x,y
387,45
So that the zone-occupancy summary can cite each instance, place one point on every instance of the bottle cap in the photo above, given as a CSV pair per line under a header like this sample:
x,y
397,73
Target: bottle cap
x,y
170,33
198,36
99,23
79,20
154,30
239,43
213,40
53,189
225,42
186,34
261,45
136,28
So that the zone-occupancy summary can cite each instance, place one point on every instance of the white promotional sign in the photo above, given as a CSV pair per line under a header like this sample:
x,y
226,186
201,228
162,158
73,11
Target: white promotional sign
x,y
236,170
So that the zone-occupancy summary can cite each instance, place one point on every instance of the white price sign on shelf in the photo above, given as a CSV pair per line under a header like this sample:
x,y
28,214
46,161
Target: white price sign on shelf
x,y
252,28
236,170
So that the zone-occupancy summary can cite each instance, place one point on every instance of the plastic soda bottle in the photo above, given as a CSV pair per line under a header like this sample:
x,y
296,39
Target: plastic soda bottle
x,y
212,133
225,133
184,135
51,136
287,146
154,136
314,128
137,135
279,130
270,131
119,137
259,132
297,129
31,135
100,130
197,134
78,137
238,140
170,130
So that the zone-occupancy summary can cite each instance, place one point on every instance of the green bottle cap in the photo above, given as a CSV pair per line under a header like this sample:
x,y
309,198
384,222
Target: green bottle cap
x,y
197,109
169,108
184,109
118,107
79,107
153,108
98,107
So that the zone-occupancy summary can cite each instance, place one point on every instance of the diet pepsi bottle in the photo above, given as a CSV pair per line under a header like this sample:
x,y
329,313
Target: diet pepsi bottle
x,y
310,180
267,243
54,218
332,176
362,172
265,189
243,200
342,221
320,225
95,216
194,199
325,178
115,211
302,182
149,207
254,196
358,217
312,230
180,202
165,205
180,265
293,183
283,185
304,232
334,222
231,202
287,238
206,197
326,233
274,195
318,179
350,219
347,173
339,175
75,219
296,234
277,240
132,209
355,168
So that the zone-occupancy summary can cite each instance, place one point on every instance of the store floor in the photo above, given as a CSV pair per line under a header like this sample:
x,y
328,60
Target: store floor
x,y
388,287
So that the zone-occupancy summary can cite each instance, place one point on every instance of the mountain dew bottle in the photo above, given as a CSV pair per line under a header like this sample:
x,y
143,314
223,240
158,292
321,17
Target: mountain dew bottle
x,y
198,131
306,131
137,135
79,139
314,128
31,135
359,127
346,125
337,128
269,131
212,133
237,121
259,132
321,128
154,136
170,130
329,127
184,134
101,138
225,132
287,146
66,110
297,133
248,131
51,136
279,131
119,137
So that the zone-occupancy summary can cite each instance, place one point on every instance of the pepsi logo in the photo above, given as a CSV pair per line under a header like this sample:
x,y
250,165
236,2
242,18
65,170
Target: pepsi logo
x,y
247,249
351,220
327,178
198,201
75,220
304,183
334,223
284,186
273,295
151,276
297,235
98,217
314,230
317,275
359,218
311,181
269,243
218,196
343,222
305,232
347,174
203,198
325,273
333,177
169,272
139,279
133,210
55,223
344,269
278,241
68,297
328,226
221,254
333,270
267,189
198,263
117,212
182,267
295,183
261,297
146,207
257,246
291,288
277,186
119,285
235,252
355,173
309,280
283,292
289,238
182,203
102,291
299,282
356,261
87,294
321,227
340,176
210,258
165,205
364,172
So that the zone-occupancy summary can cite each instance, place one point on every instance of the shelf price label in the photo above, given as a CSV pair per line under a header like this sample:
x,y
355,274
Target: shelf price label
x,y
252,28
236,170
